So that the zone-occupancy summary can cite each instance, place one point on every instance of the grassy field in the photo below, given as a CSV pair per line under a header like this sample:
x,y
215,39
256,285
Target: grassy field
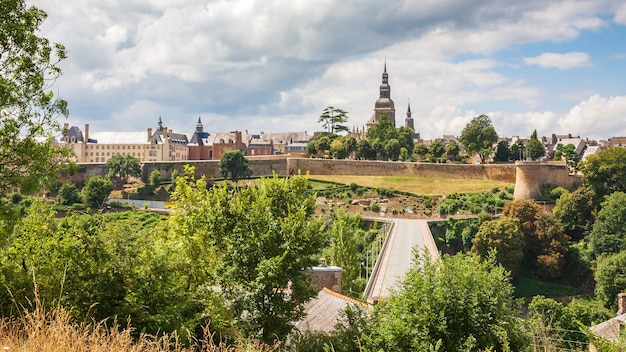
x,y
416,185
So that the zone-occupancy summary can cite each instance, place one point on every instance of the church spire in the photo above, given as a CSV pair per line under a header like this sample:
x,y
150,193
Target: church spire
x,y
160,124
408,122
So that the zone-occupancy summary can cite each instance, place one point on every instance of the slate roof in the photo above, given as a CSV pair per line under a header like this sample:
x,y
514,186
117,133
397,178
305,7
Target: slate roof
x,y
323,311
118,137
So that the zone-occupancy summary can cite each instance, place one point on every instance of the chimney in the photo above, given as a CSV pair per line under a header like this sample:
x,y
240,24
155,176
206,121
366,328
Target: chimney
x,y
165,135
149,133
621,303
66,127
86,132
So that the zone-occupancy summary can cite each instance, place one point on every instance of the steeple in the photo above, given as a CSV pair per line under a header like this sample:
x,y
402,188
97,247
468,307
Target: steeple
x,y
199,127
408,122
384,104
160,124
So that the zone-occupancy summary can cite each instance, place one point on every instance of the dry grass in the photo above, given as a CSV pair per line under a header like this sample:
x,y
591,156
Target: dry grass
x,y
39,331
417,185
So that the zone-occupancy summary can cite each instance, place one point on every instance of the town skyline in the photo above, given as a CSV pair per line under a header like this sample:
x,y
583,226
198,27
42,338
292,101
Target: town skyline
x,y
273,67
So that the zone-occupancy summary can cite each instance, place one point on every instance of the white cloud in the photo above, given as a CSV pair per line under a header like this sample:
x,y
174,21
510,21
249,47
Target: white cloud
x,y
561,61
275,64
620,15
597,117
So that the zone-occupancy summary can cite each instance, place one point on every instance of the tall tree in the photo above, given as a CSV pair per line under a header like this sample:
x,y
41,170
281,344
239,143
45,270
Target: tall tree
x,y
332,119
254,243
518,150
234,163
28,107
437,148
478,136
421,150
121,167
568,154
535,149
506,237
461,303
502,151
96,191
608,235
605,172
452,151
344,247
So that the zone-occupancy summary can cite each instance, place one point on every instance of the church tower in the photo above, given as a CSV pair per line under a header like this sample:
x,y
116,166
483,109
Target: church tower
x,y
408,122
384,104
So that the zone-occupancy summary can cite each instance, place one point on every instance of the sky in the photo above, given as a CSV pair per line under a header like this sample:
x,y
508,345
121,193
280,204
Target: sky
x,y
274,65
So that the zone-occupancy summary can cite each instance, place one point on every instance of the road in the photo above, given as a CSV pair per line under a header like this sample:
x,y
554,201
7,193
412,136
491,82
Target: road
x,y
396,256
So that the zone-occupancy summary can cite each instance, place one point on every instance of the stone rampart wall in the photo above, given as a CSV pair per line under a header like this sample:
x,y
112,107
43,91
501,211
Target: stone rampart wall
x,y
526,175
496,172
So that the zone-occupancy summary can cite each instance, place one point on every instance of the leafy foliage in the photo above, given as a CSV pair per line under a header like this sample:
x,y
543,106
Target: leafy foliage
x,y
535,149
254,243
121,167
567,153
68,194
478,136
505,236
28,108
563,324
611,279
96,191
461,303
546,242
608,235
234,163
605,171
333,118
503,152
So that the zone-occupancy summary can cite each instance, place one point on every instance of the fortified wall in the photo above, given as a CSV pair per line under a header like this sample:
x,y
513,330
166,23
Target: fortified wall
x,y
527,176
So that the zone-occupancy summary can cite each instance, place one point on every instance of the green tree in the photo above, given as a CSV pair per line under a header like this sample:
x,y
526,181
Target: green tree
x,y
546,241
535,149
437,148
575,211
332,119
421,150
121,167
608,235
479,136
506,237
96,191
518,150
452,151
344,248
611,279
392,149
382,130
68,194
364,150
28,108
155,179
405,137
461,303
502,151
234,163
254,243
568,154
605,172
562,324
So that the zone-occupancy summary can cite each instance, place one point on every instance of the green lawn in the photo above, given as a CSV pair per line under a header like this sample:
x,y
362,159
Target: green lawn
x,y
417,185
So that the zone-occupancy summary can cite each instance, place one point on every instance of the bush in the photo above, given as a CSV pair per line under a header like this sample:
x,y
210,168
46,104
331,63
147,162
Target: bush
x,y
68,194
375,207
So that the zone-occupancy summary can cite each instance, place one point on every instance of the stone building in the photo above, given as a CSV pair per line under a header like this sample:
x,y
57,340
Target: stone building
x,y
100,146
384,104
